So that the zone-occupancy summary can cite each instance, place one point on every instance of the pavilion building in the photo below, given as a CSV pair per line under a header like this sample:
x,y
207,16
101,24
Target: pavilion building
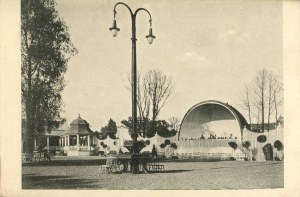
x,y
73,141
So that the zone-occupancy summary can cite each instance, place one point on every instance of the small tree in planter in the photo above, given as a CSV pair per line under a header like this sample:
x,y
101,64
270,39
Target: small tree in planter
x,y
279,146
95,149
174,145
162,145
202,137
147,142
246,144
167,142
154,152
254,153
234,146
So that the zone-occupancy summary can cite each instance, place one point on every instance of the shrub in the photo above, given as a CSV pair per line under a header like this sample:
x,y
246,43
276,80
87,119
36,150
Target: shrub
x,y
232,144
113,152
262,138
174,145
102,143
167,142
278,145
147,142
254,153
162,145
154,151
96,150
246,144
141,144
146,153
115,143
120,151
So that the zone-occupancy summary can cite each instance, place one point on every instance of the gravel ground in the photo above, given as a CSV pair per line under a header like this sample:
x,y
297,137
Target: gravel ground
x,y
178,175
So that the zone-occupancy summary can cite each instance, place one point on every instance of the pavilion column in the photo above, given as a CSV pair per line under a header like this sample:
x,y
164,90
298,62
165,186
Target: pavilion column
x,y
48,142
88,138
60,141
34,143
77,142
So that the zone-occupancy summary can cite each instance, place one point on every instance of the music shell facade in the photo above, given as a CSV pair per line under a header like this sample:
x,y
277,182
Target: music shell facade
x,y
208,128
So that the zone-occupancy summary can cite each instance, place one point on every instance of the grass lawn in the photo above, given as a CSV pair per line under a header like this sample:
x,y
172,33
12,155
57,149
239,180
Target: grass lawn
x,y
178,175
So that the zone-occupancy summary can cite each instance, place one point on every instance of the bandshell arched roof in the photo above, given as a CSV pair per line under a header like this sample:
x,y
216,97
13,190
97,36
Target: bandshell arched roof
x,y
220,111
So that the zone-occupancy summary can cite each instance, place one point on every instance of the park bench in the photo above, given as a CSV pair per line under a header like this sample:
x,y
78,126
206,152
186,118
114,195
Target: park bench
x,y
155,167
35,157
112,166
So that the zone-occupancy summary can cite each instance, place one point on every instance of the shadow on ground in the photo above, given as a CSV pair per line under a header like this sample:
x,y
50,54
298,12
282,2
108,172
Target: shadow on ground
x,y
262,164
32,181
170,171
95,162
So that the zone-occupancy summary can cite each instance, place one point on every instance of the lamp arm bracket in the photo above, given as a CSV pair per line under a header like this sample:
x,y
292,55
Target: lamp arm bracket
x,y
147,12
121,3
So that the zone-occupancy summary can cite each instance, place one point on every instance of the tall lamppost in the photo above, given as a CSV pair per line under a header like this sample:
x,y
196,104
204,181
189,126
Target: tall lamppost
x,y
114,29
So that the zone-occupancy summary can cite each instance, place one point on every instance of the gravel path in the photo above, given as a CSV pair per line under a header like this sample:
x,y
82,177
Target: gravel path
x,y
181,175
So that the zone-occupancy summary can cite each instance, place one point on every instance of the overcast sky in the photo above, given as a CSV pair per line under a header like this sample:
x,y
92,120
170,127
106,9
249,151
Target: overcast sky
x,y
209,48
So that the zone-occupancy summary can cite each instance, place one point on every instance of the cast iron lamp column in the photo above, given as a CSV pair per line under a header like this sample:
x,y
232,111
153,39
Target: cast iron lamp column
x,y
114,29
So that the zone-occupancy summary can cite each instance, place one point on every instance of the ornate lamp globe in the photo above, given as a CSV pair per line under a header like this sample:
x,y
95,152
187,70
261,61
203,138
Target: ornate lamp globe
x,y
114,29
150,37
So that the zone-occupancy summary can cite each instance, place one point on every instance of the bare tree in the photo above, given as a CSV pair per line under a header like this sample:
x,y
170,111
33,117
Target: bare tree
x,y
158,88
262,98
277,94
246,101
174,123
270,97
153,93
260,85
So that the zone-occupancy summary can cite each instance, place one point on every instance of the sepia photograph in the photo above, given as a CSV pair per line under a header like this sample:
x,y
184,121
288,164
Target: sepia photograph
x,y
152,95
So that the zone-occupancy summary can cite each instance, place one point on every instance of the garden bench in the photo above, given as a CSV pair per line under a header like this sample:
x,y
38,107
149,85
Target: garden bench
x,y
156,167
112,166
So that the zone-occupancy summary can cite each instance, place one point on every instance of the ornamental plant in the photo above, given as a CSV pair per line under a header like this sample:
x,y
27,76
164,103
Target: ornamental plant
x,y
246,144
278,145
147,142
167,142
174,145
262,138
162,145
233,145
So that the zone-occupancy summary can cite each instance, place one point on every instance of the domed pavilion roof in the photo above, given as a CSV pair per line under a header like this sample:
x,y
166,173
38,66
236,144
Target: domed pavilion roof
x,y
79,120
79,126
